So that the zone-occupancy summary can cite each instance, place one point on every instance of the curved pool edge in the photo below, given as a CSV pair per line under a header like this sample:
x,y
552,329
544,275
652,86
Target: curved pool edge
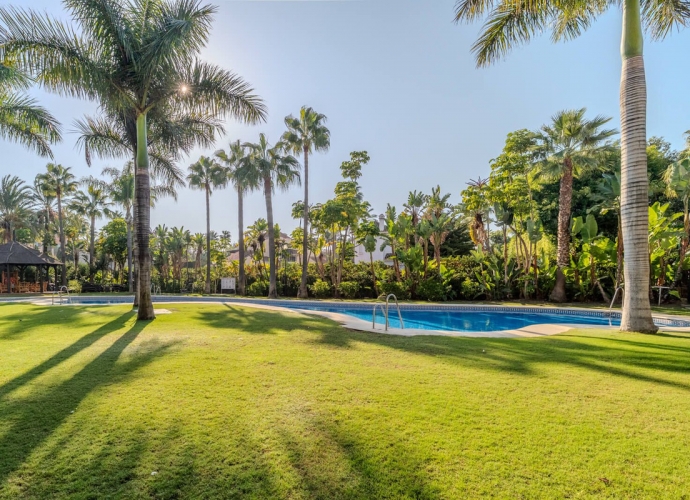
x,y
353,323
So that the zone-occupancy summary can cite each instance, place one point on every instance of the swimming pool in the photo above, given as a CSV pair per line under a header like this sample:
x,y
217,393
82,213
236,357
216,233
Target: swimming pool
x,y
437,317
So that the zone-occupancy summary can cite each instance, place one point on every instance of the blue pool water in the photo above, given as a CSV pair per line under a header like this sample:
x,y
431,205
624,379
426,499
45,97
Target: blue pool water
x,y
470,321
459,318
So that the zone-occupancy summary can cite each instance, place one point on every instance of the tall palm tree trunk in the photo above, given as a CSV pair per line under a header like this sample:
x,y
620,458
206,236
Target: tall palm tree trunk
x,y
63,274
208,243
272,289
143,222
303,293
135,248
240,219
92,250
637,314
565,201
130,280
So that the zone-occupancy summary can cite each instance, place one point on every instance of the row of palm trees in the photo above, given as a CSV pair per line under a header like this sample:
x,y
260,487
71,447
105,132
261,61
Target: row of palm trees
x,y
265,167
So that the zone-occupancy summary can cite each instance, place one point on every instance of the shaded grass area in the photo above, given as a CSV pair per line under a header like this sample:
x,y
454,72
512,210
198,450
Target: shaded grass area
x,y
221,401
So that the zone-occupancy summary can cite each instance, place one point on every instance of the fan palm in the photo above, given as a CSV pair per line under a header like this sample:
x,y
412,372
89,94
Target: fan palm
x,y
567,146
512,22
16,202
305,135
136,58
94,204
270,166
207,175
59,181
22,120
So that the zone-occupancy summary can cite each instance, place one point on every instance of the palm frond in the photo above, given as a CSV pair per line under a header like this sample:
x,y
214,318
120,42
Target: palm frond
x,y
62,61
217,91
663,16
178,31
511,23
103,137
23,120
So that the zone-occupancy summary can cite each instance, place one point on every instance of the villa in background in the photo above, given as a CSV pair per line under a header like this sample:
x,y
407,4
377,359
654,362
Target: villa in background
x,y
362,256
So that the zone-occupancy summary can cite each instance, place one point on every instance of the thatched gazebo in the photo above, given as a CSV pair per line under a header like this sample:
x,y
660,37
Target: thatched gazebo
x,y
15,256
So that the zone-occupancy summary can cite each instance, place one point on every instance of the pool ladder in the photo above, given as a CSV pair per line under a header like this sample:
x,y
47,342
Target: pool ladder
x,y
385,313
63,290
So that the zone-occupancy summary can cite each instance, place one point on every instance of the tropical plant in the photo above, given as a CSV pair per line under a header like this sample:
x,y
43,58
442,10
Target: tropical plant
x,y
22,120
511,23
137,59
233,160
565,147
94,204
306,134
16,203
45,201
207,175
273,168
60,182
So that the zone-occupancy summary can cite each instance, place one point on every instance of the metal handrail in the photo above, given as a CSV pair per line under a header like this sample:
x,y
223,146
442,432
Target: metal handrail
x,y
385,313
615,295
373,316
402,325
60,291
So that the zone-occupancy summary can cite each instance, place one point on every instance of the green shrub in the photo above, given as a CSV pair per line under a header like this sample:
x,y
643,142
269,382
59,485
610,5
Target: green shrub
x,y
74,286
320,289
348,289
400,290
258,289
434,290
470,289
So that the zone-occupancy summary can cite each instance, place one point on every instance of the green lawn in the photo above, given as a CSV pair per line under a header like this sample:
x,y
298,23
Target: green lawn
x,y
229,402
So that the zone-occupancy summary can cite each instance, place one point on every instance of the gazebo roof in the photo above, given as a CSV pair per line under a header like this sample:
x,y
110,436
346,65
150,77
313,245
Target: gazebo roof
x,y
16,254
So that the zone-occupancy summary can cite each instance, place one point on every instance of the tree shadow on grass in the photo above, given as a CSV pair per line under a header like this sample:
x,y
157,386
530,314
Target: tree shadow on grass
x,y
30,317
33,419
624,356
64,354
258,321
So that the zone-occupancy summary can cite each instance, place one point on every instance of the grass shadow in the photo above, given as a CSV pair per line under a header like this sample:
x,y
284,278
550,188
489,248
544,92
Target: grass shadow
x,y
64,354
33,419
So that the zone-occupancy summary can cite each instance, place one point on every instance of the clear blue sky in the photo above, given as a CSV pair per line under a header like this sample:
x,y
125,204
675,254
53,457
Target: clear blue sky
x,y
395,78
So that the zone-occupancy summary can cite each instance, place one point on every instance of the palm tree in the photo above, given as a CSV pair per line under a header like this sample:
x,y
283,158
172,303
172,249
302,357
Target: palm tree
x,y
94,204
198,241
45,199
22,120
305,135
121,191
207,175
16,202
273,168
511,23
569,145
233,159
59,181
256,235
137,59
